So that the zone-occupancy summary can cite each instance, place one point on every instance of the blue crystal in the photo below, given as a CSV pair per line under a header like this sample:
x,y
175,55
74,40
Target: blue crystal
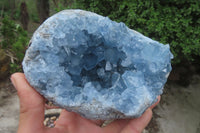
x,y
99,68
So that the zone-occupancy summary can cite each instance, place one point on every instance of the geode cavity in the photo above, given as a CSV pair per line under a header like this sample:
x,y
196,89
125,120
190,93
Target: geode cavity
x,y
96,67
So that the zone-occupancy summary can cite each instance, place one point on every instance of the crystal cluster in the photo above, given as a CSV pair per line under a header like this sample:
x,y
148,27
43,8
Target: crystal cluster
x,y
99,68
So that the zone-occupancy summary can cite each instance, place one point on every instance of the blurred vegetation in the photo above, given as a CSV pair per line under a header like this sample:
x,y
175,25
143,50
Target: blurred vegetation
x,y
171,22
14,42
12,8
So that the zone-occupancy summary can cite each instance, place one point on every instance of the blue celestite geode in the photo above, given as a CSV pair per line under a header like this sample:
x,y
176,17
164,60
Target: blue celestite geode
x,y
96,67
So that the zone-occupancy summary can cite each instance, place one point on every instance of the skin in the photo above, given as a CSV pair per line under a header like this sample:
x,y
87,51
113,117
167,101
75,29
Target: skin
x,y
32,107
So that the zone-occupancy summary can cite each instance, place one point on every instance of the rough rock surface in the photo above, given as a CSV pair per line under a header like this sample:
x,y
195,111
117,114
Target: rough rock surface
x,y
101,69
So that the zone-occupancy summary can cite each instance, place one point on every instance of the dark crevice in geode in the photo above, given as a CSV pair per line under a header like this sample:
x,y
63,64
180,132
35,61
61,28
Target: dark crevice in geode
x,y
94,61
97,64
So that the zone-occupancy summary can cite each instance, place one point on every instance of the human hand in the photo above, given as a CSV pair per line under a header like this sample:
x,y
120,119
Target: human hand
x,y
32,106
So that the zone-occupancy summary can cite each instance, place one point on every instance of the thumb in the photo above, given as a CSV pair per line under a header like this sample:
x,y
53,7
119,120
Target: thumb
x,y
31,105
138,125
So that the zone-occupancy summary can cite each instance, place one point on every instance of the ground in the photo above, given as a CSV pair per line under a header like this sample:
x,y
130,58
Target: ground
x,y
178,111
9,108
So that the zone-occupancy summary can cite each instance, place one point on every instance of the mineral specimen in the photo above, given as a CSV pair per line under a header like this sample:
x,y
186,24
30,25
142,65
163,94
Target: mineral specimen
x,y
96,67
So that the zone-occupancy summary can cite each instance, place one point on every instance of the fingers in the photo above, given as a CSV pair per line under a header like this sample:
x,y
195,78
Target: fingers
x,y
159,97
97,122
31,104
65,119
130,126
141,123
116,126
72,122
138,125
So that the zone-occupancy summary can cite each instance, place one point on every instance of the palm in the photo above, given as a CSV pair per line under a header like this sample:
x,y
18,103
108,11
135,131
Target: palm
x,y
32,107
73,123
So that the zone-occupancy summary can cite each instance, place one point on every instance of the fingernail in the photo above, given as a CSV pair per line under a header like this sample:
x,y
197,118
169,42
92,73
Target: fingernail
x,y
149,109
13,81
